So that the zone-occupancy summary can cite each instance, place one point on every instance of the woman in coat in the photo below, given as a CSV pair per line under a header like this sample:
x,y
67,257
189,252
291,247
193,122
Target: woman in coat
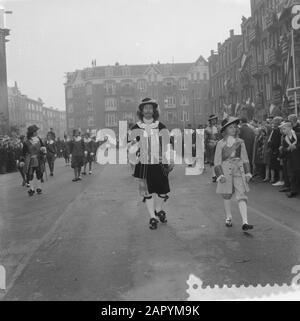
x,y
233,171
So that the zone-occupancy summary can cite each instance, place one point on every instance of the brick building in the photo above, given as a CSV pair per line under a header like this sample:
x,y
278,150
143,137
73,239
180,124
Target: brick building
x,y
224,65
265,64
56,119
25,111
99,97
17,109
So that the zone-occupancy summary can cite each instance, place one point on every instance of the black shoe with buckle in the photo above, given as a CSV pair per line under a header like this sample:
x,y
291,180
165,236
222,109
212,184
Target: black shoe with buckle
x,y
31,192
228,222
153,224
247,227
162,216
39,191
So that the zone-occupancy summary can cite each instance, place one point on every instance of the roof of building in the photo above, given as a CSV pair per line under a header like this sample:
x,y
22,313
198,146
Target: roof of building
x,y
117,70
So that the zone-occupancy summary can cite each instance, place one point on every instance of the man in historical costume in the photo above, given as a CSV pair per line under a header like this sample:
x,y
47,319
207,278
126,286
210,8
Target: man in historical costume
x,y
153,175
212,136
233,170
89,152
77,154
65,146
18,157
34,154
291,150
51,153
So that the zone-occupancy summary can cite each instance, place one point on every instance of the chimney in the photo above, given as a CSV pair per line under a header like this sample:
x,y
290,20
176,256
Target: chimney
x,y
212,52
231,33
219,45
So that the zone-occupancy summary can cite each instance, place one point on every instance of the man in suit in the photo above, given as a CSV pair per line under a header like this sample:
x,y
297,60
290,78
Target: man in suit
x,y
247,134
291,150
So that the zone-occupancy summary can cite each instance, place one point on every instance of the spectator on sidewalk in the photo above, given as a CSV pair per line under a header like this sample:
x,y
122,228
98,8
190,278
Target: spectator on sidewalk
x,y
293,119
291,148
248,136
274,145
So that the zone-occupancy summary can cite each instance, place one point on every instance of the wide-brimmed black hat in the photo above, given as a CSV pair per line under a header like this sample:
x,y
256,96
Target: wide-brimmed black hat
x,y
32,129
229,121
212,117
148,101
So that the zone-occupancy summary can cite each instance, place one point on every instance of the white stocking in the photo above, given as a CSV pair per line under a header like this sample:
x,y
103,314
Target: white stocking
x,y
158,203
150,207
39,184
213,171
243,211
227,206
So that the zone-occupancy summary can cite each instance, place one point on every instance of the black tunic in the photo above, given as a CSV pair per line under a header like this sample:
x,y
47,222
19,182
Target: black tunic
x,y
156,178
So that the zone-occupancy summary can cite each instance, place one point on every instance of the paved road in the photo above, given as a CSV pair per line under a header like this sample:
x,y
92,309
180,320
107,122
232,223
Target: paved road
x,y
90,240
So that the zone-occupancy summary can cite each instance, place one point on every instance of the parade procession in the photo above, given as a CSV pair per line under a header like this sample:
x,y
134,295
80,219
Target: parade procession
x,y
149,175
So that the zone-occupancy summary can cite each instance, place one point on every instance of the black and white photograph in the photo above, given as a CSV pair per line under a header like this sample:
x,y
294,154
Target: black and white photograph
x,y
149,152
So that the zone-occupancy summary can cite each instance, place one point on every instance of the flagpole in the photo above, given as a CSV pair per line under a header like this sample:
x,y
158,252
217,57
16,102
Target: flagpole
x,y
294,72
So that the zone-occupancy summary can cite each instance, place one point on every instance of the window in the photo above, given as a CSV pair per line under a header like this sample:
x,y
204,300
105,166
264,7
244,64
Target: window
x,y
183,84
71,123
142,85
184,116
91,122
110,119
205,76
128,116
184,100
110,88
109,72
89,89
69,93
171,117
90,106
110,104
70,108
169,82
127,85
170,102
126,71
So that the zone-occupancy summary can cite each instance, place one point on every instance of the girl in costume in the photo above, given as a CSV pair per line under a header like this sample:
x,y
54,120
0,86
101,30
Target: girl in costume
x,y
233,170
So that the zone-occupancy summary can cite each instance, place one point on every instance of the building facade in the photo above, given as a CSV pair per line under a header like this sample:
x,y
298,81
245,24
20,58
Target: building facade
x,y
25,111
99,97
4,115
224,65
17,109
56,119
265,71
